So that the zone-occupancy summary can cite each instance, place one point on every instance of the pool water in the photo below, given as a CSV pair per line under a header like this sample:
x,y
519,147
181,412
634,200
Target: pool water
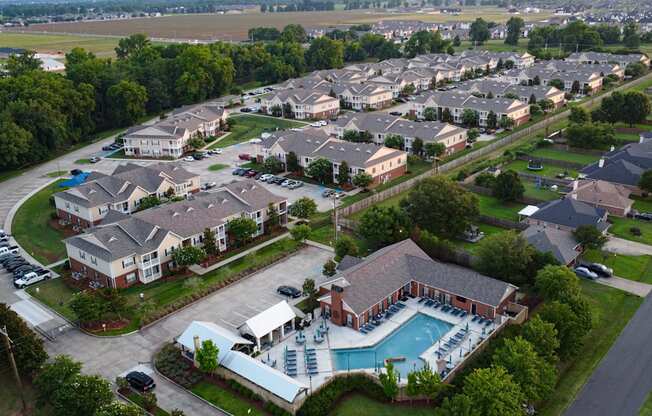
x,y
410,340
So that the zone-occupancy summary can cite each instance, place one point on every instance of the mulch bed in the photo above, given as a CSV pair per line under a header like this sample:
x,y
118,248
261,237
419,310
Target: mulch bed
x,y
66,230
110,325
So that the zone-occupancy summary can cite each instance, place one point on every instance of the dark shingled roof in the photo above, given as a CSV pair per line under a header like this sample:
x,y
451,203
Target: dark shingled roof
x,y
370,280
558,242
572,213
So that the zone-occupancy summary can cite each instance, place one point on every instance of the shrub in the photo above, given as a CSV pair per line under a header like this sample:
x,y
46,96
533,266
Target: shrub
x,y
149,401
635,231
322,402
486,180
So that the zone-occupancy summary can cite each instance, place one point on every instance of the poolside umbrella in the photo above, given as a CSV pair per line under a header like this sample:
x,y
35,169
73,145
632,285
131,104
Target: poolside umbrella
x,y
450,359
467,326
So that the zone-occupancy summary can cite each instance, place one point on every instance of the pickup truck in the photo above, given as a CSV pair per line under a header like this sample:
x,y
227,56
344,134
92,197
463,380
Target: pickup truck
x,y
31,278
9,250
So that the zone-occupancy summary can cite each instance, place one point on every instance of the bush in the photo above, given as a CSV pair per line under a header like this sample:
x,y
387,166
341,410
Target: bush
x,y
322,402
635,231
486,180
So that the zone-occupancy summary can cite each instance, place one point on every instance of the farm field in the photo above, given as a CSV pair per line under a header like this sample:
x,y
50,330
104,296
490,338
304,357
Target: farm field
x,y
235,26
59,43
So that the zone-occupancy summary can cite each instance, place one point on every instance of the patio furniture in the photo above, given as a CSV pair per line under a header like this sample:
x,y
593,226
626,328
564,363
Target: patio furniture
x,y
401,305
429,302
421,300
364,331
464,313
475,318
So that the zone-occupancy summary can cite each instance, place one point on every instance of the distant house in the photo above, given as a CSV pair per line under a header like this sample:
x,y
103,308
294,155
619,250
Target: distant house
x,y
568,214
302,104
381,125
623,166
612,197
358,293
560,243
382,163
604,58
122,191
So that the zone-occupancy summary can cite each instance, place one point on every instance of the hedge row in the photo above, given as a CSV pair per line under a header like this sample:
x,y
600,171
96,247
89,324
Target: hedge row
x,y
324,400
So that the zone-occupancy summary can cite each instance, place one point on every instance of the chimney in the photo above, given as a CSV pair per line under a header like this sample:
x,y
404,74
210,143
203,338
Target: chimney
x,y
337,314
601,163
195,340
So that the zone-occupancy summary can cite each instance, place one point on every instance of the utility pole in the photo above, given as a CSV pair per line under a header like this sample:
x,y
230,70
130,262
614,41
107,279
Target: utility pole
x,y
10,352
335,213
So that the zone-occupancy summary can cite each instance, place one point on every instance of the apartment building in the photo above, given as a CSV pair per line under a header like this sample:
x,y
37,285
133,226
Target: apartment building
x,y
302,104
605,58
168,138
382,163
88,204
138,248
381,125
363,96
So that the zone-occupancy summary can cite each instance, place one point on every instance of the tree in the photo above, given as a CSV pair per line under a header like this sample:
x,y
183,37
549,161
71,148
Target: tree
x,y
634,69
636,107
293,33
22,63
423,42
430,114
479,31
428,383
492,120
389,381
557,83
343,173
470,117
487,392
187,256
325,53
382,226
456,41
631,36
116,408
508,186
206,356
149,400
451,208
590,136
53,375
303,208
310,290
31,354
300,232
81,395
196,142
128,100
241,230
362,180
514,27
321,170
87,307
434,150
590,237
394,141
645,183
210,245
579,115
535,376
515,254
132,46
446,116
506,122
546,104
535,110
543,337
292,162
329,268
412,388
345,246
272,165
568,326
149,202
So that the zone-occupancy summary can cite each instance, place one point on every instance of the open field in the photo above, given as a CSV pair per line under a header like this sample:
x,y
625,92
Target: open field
x,y
59,43
235,26
247,127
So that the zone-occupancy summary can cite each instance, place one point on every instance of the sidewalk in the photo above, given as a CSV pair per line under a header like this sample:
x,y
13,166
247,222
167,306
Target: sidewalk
x,y
629,286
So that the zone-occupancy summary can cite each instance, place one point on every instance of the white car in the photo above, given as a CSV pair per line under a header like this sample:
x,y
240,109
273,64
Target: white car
x,y
31,278
217,151
265,177
323,123
315,124
255,141
188,159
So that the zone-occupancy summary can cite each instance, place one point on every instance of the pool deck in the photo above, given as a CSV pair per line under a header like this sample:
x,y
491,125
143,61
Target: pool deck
x,y
339,337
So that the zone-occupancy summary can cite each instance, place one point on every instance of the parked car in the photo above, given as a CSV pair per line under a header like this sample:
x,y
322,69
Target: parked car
x,y
76,172
584,272
645,216
244,156
251,173
258,175
395,113
106,148
600,269
295,185
255,141
140,381
31,278
13,266
246,109
238,171
188,159
9,249
265,176
217,151
94,159
208,185
25,269
286,182
289,291
327,193
197,156
279,180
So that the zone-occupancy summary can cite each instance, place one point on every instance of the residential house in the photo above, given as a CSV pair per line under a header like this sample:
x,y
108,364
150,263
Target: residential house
x,y
308,145
606,58
623,166
87,204
612,197
358,293
138,248
381,125
560,243
363,96
169,138
568,214
540,92
301,103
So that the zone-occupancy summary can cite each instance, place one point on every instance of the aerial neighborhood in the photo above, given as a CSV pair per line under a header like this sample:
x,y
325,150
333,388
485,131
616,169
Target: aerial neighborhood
x,y
400,217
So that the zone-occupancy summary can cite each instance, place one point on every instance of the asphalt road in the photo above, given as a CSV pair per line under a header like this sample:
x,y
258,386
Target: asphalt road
x,y
622,381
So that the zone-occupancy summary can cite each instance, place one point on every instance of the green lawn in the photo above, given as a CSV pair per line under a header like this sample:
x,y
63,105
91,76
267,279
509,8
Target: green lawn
x,y
54,43
494,45
627,137
247,127
360,405
83,161
547,171
32,230
612,309
544,194
550,153
56,174
642,204
493,207
621,228
486,229
224,399
217,166
646,409
55,294
638,268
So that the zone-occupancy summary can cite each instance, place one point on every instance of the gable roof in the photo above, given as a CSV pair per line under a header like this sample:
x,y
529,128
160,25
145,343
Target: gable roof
x,y
268,320
572,213
223,338
604,193
560,243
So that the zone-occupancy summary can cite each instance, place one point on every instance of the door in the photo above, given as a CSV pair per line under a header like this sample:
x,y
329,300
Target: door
x,y
474,309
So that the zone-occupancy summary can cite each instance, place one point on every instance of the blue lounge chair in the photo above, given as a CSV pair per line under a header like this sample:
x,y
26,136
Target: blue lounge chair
x,y
464,313
312,371
475,318
429,302
487,322
421,300
400,305
364,331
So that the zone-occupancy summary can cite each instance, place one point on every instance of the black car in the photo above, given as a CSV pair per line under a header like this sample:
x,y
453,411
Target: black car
x,y
13,266
24,269
245,110
395,113
140,381
645,216
76,172
289,291
600,269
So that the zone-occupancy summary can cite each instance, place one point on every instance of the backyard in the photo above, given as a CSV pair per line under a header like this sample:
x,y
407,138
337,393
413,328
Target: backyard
x,y
548,171
486,229
493,207
541,193
638,268
247,127
31,228
564,155
621,227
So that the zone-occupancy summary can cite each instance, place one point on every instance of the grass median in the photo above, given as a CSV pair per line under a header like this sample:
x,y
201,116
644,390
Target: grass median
x,y
246,127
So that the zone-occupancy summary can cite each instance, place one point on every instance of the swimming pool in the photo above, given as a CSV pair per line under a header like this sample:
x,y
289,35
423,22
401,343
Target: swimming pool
x,y
410,340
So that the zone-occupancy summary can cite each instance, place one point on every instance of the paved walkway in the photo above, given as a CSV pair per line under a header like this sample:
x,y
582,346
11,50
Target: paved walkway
x,y
626,247
622,381
630,286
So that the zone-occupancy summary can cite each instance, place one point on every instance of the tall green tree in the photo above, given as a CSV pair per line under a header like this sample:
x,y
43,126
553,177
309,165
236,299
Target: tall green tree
x,y
514,27
129,100
303,208
241,230
82,395
389,381
579,115
394,141
569,328
645,183
557,283
210,245
292,162
479,32
543,337
206,356
53,375
22,63
515,255
31,354
343,175
590,237
187,256
325,53
508,186
321,170
382,226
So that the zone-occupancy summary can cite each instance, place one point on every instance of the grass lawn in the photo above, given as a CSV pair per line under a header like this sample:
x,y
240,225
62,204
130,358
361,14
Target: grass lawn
x,y
360,405
646,409
486,229
247,127
550,153
224,399
547,171
138,400
544,194
83,161
638,268
612,309
627,137
217,166
54,43
642,204
55,294
492,207
56,174
32,230
621,227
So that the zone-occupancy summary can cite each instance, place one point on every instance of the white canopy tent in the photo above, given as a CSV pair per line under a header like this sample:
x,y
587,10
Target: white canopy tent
x,y
528,211
274,318
224,339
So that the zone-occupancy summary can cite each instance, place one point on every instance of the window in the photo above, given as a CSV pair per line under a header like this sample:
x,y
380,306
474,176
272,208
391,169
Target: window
x,y
131,277
460,299
82,255
93,259
128,262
